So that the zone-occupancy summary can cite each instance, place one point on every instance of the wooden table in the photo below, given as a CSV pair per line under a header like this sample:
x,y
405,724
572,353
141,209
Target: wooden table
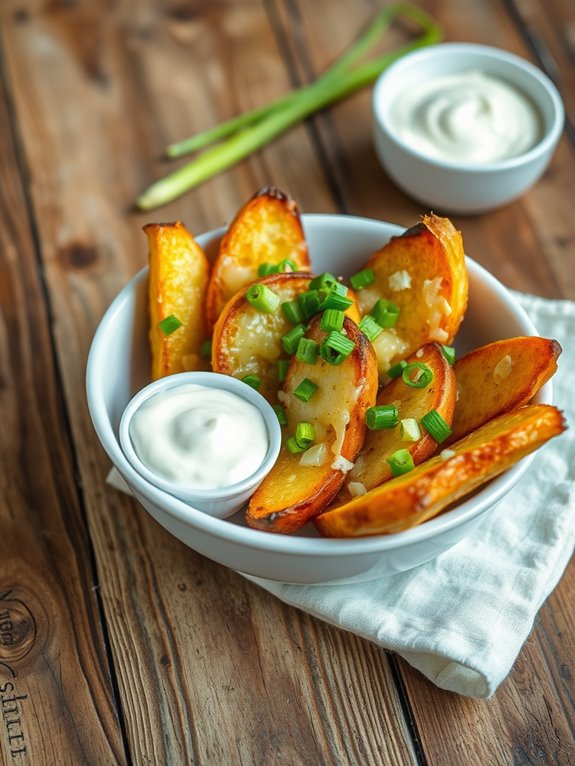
x,y
118,643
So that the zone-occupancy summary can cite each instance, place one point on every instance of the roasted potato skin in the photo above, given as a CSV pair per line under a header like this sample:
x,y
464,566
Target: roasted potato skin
x,y
527,364
371,468
292,494
432,307
415,497
266,229
178,277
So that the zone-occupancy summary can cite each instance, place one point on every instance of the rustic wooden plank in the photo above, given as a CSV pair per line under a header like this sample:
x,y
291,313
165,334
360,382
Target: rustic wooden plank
x,y
529,245
56,694
210,669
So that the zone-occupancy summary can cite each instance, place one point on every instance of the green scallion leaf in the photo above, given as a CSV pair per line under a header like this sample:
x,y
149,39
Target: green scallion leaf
x,y
335,298
305,390
449,353
409,430
206,349
293,446
305,434
283,365
309,302
262,298
307,351
323,281
280,413
292,312
291,339
436,426
381,416
252,380
400,462
417,375
286,265
331,319
336,347
170,324
397,369
385,313
369,327
264,269
362,279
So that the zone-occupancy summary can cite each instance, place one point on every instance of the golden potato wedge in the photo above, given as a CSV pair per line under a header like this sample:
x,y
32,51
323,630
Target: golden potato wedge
x,y
500,377
371,468
428,489
293,492
178,277
266,229
424,273
248,342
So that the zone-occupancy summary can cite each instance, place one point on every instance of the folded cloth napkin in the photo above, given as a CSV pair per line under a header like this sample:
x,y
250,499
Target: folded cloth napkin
x,y
462,619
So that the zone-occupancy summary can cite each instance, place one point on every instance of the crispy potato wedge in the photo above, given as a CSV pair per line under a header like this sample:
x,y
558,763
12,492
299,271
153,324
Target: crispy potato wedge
x,y
415,497
178,277
266,229
424,273
248,342
371,468
293,493
500,377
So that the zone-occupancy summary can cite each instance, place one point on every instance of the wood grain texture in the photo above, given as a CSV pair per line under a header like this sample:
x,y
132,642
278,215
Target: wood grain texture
x,y
210,669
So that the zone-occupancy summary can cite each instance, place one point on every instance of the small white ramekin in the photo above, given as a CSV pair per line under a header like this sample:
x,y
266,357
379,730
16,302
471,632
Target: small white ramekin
x,y
452,186
224,501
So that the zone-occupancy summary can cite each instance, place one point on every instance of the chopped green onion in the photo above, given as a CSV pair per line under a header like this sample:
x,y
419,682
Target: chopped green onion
x,y
293,446
206,349
385,313
325,280
336,347
283,365
331,319
400,462
170,324
264,269
417,375
280,413
292,312
252,380
449,353
397,369
369,327
362,279
291,339
305,390
335,298
304,434
262,298
309,302
409,430
436,426
381,416
286,264
307,351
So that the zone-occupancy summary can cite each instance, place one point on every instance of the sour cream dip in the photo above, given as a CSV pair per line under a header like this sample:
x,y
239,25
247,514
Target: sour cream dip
x,y
470,117
199,437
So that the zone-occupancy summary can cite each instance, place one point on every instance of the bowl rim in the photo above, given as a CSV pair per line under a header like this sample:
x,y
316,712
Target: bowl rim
x,y
230,533
511,60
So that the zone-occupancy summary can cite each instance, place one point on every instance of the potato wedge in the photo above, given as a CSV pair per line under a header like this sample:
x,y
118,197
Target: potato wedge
x,y
293,493
178,277
424,273
498,378
371,468
266,229
415,497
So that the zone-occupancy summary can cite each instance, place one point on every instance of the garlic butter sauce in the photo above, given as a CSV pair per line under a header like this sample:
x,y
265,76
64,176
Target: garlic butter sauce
x,y
469,117
199,437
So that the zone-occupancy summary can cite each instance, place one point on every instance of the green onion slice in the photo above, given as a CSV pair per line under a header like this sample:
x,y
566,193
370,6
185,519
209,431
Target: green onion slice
x,y
362,279
309,302
417,375
291,339
381,416
325,280
449,353
206,349
307,351
292,312
287,265
170,324
305,434
385,313
331,319
409,430
264,269
436,426
397,369
400,462
293,446
369,327
262,298
280,413
305,390
336,347
283,365
252,380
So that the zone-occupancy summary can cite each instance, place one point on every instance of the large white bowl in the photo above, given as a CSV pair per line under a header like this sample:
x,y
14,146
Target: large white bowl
x,y
118,366
454,186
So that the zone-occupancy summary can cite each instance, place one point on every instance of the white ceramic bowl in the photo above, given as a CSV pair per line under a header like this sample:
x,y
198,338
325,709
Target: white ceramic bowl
x,y
452,186
118,366
224,501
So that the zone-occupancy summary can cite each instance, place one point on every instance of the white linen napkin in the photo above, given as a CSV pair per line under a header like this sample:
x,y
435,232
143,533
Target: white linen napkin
x,y
462,619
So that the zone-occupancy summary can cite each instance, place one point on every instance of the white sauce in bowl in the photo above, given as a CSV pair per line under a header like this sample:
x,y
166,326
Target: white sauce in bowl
x,y
199,437
471,117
